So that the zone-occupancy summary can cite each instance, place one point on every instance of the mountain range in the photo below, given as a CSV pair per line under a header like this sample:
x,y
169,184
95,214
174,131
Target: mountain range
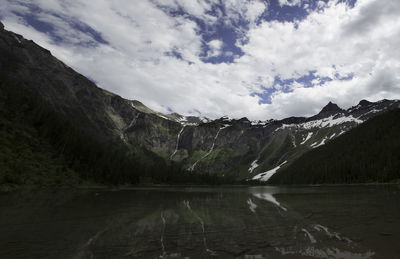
x,y
87,132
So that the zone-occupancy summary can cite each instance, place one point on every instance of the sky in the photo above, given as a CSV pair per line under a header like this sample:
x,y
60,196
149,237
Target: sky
x,y
259,59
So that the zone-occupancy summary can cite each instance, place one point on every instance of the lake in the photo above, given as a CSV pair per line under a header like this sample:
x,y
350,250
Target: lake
x,y
202,222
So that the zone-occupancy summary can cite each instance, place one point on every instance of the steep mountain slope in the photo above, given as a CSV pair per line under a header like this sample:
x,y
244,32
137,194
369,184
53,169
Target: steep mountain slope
x,y
368,153
233,148
57,127
40,146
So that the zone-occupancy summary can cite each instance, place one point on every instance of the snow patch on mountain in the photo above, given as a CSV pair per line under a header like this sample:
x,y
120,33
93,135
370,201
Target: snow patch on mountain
x,y
293,140
225,126
253,166
226,118
321,143
307,138
372,111
268,174
354,108
322,123
259,123
185,121
205,120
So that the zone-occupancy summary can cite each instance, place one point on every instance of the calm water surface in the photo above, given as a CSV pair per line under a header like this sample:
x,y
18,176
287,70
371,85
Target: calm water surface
x,y
240,222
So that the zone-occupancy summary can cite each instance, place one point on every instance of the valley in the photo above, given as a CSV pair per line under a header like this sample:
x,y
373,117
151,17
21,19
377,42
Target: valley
x,y
227,148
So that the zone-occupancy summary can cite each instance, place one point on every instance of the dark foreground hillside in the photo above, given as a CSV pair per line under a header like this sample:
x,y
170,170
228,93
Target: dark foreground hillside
x,y
368,153
40,146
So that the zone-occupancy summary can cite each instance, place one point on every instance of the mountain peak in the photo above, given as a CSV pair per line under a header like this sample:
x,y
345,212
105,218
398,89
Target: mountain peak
x,y
364,102
331,107
1,26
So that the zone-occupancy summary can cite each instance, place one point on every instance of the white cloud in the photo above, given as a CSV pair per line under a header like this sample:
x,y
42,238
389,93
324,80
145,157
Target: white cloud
x,y
215,48
295,85
337,40
254,10
321,4
290,2
249,10
326,42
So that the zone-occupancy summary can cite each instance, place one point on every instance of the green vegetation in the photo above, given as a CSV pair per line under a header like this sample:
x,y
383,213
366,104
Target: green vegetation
x,y
196,155
367,153
27,159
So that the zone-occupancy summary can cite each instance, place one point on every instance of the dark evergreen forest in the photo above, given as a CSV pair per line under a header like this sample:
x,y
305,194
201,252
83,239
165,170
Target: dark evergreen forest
x,y
368,153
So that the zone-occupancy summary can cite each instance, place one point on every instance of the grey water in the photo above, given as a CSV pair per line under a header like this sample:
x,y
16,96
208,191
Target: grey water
x,y
202,222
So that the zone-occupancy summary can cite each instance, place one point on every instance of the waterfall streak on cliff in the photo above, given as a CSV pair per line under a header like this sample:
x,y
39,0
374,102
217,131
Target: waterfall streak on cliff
x,y
177,142
133,121
211,149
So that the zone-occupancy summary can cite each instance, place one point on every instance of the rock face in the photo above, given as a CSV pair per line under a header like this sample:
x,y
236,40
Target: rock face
x,y
239,148
331,108
328,110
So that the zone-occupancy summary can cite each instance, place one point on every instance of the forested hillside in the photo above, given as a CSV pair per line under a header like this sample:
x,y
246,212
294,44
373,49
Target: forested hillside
x,y
367,153
39,146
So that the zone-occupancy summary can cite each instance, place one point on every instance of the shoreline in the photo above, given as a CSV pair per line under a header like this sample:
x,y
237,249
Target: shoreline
x,y
11,188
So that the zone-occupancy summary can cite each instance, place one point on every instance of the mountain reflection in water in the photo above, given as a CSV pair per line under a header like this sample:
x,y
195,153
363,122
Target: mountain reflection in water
x,y
200,222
